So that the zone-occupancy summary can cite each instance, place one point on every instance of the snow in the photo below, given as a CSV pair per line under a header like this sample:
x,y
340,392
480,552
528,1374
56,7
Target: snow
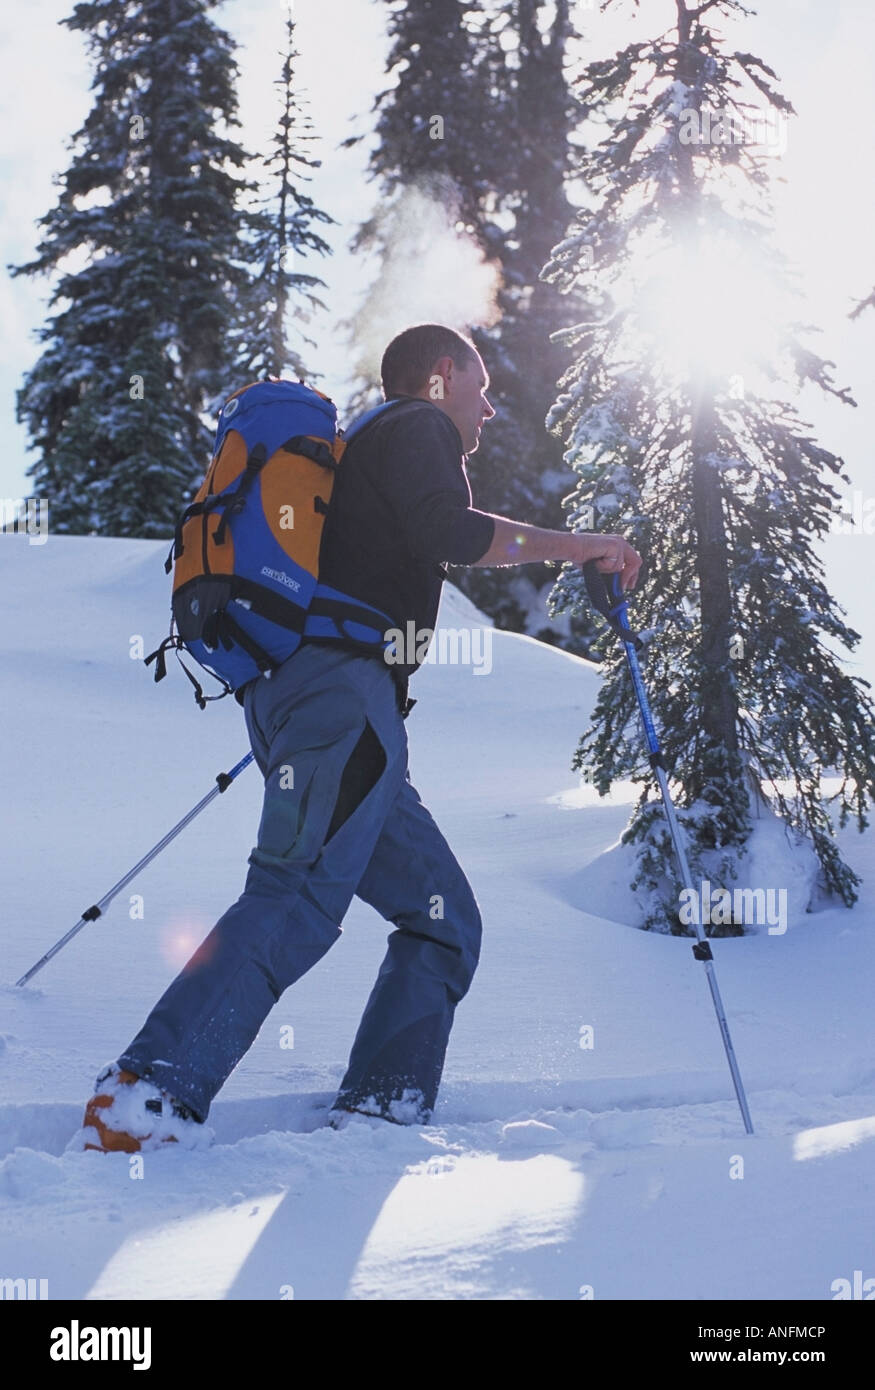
x,y
677,98
586,1135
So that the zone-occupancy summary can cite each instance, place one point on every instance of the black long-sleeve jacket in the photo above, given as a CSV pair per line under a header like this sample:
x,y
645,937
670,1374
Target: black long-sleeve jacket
x,y
400,512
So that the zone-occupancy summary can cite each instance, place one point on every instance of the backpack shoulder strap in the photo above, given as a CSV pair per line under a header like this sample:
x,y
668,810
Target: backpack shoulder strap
x,y
377,412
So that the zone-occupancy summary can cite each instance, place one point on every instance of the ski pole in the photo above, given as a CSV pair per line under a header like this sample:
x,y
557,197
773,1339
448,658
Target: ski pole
x,y
223,782
611,603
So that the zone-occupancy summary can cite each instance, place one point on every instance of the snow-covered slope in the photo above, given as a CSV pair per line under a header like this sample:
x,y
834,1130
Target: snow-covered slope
x,y
551,1167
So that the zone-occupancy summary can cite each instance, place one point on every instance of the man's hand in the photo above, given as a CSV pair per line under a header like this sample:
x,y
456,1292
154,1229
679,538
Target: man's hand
x,y
612,555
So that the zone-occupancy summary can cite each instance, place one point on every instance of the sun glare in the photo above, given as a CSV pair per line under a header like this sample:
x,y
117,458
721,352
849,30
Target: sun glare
x,y
708,312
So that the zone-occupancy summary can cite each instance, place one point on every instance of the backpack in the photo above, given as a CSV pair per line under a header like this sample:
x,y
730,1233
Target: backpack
x,y
245,554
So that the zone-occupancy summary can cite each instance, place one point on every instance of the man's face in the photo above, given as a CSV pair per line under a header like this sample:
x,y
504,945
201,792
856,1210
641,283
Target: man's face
x,y
464,398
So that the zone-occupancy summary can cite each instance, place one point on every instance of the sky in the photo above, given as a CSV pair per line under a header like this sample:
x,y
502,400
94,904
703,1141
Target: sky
x,y
824,213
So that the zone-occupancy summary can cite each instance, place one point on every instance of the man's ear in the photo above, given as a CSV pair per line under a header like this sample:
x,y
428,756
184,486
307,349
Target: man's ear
x,y
444,367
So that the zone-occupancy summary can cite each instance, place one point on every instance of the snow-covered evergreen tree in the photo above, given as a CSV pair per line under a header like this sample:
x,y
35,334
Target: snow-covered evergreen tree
x,y
518,469
478,120
146,243
679,420
433,160
282,233
439,70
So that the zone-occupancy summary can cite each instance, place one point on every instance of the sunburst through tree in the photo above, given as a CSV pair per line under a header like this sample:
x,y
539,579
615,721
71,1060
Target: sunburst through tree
x,y
679,421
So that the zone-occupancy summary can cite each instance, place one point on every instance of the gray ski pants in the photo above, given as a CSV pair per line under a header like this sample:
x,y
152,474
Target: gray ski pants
x,y
340,818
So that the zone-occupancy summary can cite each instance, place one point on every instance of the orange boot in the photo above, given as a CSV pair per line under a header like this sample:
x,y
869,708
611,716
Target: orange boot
x,y
127,1114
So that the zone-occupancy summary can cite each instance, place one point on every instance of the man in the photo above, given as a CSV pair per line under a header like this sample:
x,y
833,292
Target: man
x,y
348,820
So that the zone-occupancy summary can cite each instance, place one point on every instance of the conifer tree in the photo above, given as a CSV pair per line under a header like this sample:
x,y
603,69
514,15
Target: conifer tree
x,y
518,469
146,243
281,232
679,418
442,71
479,119
435,137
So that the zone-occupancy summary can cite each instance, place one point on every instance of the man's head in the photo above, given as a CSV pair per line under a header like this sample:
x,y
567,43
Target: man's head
x,y
439,365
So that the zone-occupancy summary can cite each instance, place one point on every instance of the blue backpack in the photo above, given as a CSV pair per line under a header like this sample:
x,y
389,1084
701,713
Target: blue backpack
x,y
245,554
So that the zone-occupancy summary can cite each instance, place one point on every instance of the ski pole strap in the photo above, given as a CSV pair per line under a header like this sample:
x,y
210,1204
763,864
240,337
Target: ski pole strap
x,y
609,600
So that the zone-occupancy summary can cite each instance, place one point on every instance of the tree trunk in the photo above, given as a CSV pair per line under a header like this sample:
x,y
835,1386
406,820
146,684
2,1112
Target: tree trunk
x,y
719,703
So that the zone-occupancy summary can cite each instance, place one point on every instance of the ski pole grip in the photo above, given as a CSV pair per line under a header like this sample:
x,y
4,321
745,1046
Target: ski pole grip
x,y
597,588
607,597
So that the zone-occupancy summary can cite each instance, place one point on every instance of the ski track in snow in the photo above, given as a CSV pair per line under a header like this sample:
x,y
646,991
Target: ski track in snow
x,y
516,1206
549,1168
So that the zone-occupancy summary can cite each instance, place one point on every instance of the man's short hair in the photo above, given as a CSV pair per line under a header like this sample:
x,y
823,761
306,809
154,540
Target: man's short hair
x,y
409,358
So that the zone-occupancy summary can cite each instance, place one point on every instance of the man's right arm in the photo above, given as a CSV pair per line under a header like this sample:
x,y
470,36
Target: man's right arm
x,y
514,543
